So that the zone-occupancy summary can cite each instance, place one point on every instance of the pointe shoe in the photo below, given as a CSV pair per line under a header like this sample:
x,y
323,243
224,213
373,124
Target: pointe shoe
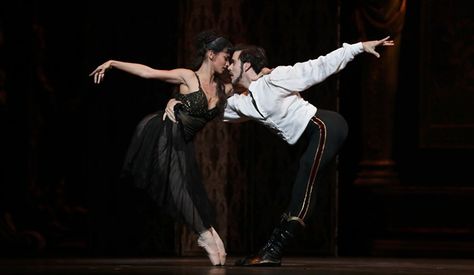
x,y
206,241
220,246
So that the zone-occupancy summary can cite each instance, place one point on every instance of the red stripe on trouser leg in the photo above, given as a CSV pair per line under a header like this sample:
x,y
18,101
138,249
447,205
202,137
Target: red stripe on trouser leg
x,y
314,168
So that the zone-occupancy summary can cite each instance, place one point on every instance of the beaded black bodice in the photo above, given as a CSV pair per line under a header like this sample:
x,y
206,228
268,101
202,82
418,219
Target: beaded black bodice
x,y
195,104
193,113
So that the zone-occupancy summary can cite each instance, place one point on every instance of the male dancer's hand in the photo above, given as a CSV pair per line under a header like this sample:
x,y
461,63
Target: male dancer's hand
x,y
369,46
263,72
169,110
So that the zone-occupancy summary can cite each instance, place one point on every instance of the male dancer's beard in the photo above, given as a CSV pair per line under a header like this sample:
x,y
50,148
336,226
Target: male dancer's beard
x,y
237,80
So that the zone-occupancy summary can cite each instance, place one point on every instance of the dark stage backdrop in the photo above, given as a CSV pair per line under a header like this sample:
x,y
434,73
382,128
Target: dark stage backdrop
x,y
407,188
64,138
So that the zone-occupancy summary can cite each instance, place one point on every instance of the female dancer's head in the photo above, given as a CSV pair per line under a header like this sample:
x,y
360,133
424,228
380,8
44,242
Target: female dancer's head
x,y
213,49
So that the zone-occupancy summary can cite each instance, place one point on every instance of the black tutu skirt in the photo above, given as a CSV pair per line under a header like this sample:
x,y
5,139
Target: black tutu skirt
x,y
161,160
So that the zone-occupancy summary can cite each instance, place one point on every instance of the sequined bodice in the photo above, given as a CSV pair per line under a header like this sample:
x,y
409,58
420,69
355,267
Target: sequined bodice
x,y
193,112
195,104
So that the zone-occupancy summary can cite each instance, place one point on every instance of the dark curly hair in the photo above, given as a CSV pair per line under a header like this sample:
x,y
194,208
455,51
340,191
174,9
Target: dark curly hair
x,y
254,55
209,40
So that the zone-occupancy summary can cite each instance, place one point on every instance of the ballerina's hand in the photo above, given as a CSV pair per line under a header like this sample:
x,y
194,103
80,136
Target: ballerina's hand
x,y
99,72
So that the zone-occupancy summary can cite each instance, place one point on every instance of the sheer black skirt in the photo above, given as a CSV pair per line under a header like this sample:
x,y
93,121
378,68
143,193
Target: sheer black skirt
x,y
162,162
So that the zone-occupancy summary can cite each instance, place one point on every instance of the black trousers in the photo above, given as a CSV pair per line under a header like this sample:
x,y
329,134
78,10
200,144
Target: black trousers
x,y
323,137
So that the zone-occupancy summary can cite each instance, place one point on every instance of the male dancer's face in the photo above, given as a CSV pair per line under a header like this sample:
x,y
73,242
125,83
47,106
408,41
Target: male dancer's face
x,y
235,68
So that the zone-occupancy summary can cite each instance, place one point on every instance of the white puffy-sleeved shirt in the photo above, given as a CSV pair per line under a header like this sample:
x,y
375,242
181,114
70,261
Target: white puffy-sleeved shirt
x,y
274,99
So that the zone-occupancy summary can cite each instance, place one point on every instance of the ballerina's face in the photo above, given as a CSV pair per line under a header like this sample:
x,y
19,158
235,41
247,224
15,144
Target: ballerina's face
x,y
220,61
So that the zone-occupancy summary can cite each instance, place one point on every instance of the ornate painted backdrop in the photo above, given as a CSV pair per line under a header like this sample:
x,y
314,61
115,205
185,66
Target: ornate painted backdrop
x,y
248,170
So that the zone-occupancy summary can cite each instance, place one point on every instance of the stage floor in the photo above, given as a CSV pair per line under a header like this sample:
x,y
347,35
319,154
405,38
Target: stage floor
x,y
200,266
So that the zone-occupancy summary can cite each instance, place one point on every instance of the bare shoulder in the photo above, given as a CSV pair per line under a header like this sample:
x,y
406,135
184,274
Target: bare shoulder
x,y
182,72
186,72
190,82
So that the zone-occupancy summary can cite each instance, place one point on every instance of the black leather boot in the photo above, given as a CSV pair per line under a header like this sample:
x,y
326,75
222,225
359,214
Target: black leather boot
x,y
270,254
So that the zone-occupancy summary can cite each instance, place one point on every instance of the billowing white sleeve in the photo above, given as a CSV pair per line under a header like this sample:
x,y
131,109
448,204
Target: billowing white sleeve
x,y
231,113
303,75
